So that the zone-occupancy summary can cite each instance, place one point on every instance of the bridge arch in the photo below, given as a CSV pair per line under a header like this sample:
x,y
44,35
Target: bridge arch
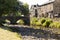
x,y
13,20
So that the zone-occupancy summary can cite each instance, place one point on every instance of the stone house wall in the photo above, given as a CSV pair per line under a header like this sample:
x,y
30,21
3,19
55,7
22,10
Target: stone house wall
x,y
57,8
46,10
50,9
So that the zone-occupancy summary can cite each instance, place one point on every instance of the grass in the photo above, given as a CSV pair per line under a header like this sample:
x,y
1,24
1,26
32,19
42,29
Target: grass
x,y
8,35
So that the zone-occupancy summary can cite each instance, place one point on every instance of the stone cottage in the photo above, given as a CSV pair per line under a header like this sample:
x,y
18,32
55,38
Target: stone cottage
x,y
51,9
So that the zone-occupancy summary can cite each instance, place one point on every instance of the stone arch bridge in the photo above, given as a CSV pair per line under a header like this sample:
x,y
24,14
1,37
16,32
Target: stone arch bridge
x,y
13,19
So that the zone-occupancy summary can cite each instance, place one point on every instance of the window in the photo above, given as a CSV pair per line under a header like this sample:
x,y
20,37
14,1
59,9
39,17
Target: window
x,y
36,14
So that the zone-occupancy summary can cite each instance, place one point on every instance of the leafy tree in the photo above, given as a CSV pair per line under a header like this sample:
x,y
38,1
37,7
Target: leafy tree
x,y
12,8
8,6
25,9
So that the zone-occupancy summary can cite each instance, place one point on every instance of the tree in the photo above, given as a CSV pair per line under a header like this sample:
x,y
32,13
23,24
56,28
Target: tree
x,y
8,6
12,7
25,9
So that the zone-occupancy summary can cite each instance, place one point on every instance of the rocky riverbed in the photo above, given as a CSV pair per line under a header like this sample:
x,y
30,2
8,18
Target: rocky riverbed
x,y
36,34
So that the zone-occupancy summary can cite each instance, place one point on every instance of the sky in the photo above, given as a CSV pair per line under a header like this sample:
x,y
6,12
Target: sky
x,y
34,2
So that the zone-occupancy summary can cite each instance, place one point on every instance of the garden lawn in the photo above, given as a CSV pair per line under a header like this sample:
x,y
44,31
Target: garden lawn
x,y
8,35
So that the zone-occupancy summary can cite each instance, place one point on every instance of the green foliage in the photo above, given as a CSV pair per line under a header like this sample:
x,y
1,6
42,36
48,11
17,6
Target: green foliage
x,y
38,23
47,23
43,20
12,7
8,6
33,21
25,9
21,22
18,14
55,25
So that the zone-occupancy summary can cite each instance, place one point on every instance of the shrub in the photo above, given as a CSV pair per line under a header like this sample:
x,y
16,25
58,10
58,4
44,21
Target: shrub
x,y
52,25
43,20
55,25
33,21
47,23
38,23
21,22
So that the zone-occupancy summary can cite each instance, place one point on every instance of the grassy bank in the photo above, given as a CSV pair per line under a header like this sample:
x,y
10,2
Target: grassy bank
x,y
5,34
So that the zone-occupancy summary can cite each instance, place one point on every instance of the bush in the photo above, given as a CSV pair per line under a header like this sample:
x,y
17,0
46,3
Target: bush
x,y
21,22
33,21
43,20
55,25
38,23
47,23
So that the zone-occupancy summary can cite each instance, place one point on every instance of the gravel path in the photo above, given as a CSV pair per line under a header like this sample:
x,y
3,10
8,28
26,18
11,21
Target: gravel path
x,y
36,34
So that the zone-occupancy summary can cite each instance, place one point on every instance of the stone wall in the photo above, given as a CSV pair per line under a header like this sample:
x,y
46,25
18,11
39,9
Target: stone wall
x,y
42,10
51,9
32,11
45,10
56,8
